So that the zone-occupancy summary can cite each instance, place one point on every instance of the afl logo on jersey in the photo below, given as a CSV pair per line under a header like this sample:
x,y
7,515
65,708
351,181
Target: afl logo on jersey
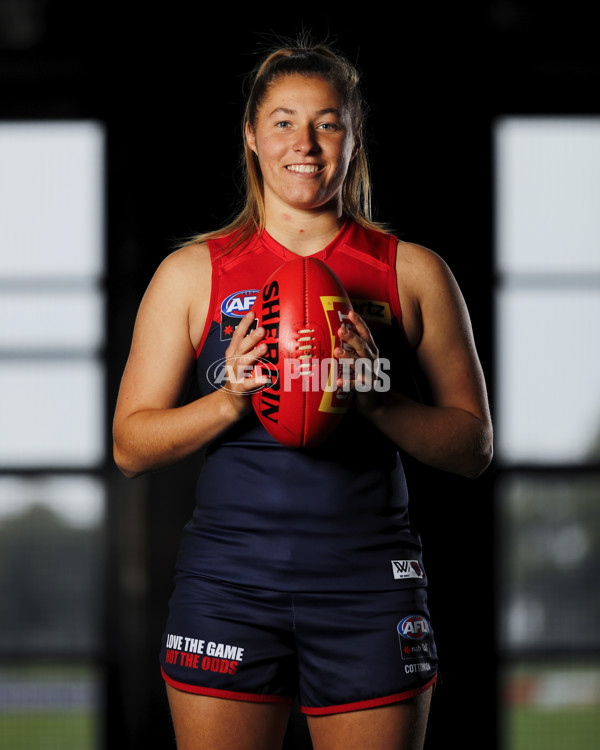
x,y
233,309
414,627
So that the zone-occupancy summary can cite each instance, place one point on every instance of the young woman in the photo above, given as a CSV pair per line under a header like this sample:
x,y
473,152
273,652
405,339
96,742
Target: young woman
x,y
299,574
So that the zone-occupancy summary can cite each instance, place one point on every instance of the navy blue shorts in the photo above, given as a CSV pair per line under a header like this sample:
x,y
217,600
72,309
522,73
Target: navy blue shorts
x,y
335,652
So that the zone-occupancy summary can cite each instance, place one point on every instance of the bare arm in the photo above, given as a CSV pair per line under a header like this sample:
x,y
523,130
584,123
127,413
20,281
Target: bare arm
x,y
151,428
455,433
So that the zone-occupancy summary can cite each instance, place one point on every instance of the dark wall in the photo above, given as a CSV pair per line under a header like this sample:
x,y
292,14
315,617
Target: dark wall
x,y
167,84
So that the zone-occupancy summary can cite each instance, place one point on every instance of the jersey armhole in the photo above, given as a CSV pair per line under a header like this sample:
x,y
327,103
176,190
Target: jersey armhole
x,y
393,290
213,296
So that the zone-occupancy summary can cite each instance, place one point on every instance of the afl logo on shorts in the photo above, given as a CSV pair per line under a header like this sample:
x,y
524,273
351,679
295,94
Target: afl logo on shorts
x,y
416,643
233,309
414,627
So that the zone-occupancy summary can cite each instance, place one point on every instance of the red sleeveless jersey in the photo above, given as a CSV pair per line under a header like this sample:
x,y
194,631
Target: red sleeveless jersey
x,y
326,519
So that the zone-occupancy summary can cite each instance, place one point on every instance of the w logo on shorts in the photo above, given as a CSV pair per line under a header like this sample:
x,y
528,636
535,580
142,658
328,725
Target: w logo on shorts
x,y
407,569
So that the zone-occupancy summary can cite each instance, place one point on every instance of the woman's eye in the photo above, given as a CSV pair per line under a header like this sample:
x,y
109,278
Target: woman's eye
x,y
328,126
282,124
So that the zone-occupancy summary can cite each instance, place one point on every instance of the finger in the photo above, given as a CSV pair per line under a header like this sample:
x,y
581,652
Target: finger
x,y
250,384
361,327
244,325
346,357
243,376
352,342
346,379
358,381
245,338
241,368
245,328
357,336
252,344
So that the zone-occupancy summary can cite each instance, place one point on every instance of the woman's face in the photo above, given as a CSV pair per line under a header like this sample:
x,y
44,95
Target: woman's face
x,y
304,141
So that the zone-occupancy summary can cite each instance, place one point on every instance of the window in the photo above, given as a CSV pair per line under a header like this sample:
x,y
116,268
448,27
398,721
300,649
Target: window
x,y
548,428
52,437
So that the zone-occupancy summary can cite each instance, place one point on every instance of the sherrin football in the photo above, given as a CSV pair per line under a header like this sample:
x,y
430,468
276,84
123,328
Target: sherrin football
x,y
301,307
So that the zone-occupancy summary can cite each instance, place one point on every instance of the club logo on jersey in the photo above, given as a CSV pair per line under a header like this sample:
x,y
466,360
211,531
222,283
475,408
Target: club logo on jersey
x,y
233,309
414,635
407,569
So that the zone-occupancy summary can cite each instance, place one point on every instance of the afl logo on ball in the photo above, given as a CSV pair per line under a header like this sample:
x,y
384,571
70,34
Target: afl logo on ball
x,y
233,309
414,627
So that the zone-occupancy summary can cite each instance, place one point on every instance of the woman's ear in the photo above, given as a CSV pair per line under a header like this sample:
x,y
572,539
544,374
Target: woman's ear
x,y
250,138
357,143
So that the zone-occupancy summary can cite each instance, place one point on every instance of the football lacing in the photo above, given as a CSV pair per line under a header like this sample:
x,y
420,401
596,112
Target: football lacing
x,y
307,355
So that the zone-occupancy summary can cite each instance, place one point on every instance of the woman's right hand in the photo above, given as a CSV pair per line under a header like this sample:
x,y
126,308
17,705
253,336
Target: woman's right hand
x,y
242,354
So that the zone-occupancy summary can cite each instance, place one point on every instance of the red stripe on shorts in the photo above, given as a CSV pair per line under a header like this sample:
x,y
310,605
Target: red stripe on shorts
x,y
374,703
227,694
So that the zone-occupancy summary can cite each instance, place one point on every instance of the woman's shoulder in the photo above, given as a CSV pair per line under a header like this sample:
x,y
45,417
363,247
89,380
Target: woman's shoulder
x,y
418,257
420,267
187,257
425,286
185,266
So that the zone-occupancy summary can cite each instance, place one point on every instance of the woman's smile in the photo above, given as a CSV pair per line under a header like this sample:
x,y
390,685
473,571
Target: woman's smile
x,y
304,168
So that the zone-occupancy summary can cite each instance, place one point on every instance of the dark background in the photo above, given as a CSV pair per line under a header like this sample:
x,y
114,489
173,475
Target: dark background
x,y
167,83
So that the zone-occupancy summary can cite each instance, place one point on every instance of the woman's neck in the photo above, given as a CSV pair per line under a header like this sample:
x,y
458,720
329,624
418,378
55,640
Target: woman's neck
x,y
303,232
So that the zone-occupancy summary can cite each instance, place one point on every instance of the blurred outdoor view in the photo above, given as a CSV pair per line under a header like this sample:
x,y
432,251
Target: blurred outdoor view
x,y
547,412
52,434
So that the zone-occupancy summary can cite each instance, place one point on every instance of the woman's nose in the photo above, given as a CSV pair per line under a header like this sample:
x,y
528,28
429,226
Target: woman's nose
x,y
306,141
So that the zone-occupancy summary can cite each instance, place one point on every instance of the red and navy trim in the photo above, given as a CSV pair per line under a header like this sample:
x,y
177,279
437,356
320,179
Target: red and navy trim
x,y
308,710
227,694
374,703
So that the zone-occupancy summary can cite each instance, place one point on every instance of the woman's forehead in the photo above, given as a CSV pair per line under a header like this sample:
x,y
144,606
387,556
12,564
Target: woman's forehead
x,y
294,90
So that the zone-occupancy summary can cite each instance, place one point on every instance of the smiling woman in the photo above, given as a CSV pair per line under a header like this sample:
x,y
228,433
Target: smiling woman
x,y
313,66
304,140
302,562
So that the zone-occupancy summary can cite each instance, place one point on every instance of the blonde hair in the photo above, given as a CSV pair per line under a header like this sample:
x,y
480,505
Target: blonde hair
x,y
319,61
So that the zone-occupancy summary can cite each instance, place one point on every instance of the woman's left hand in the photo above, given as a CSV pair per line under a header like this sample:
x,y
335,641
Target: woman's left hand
x,y
359,360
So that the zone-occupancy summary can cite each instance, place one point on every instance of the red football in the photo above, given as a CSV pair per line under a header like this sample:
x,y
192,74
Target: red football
x,y
301,307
